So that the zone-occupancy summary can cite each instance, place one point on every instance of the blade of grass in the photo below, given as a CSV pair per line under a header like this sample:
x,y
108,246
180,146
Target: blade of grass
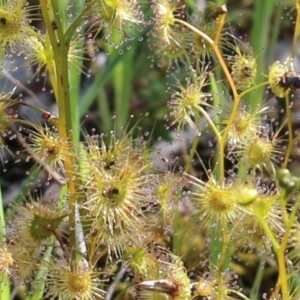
x,y
275,32
216,248
2,218
122,77
260,32
5,285
258,278
75,77
217,103
25,187
191,4
61,8
104,110
98,83
178,240
39,285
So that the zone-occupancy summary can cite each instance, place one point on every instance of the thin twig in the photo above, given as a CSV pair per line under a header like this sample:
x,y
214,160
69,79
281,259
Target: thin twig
x,y
18,83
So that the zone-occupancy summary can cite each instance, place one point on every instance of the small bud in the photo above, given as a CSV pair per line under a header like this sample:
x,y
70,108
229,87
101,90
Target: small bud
x,y
246,196
286,180
204,287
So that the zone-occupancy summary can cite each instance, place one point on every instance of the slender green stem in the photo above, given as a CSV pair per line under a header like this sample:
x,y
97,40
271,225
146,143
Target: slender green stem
x,y
222,257
216,246
60,50
279,250
221,139
78,21
188,165
39,282
296,30
220,28
236,97
269,233
176,228
47,17
218,135
290,130
238,294
217,53
2,220
253,88
217,102
211,124
59,20
51,71
283,274
255,290
275,291
226,240
61,9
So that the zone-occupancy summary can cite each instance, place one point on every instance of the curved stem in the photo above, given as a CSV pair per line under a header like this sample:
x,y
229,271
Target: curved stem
x,y
219,138
233,114
269,233
276,290
188,165
211,123
279,250
221,22
78,21
238,294
252,88
217,53
236,96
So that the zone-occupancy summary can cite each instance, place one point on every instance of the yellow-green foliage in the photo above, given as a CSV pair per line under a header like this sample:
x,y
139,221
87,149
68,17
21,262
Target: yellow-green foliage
x,y
130,221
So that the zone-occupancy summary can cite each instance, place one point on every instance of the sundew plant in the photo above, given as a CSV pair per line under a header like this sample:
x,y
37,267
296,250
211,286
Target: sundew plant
x,y
165,167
